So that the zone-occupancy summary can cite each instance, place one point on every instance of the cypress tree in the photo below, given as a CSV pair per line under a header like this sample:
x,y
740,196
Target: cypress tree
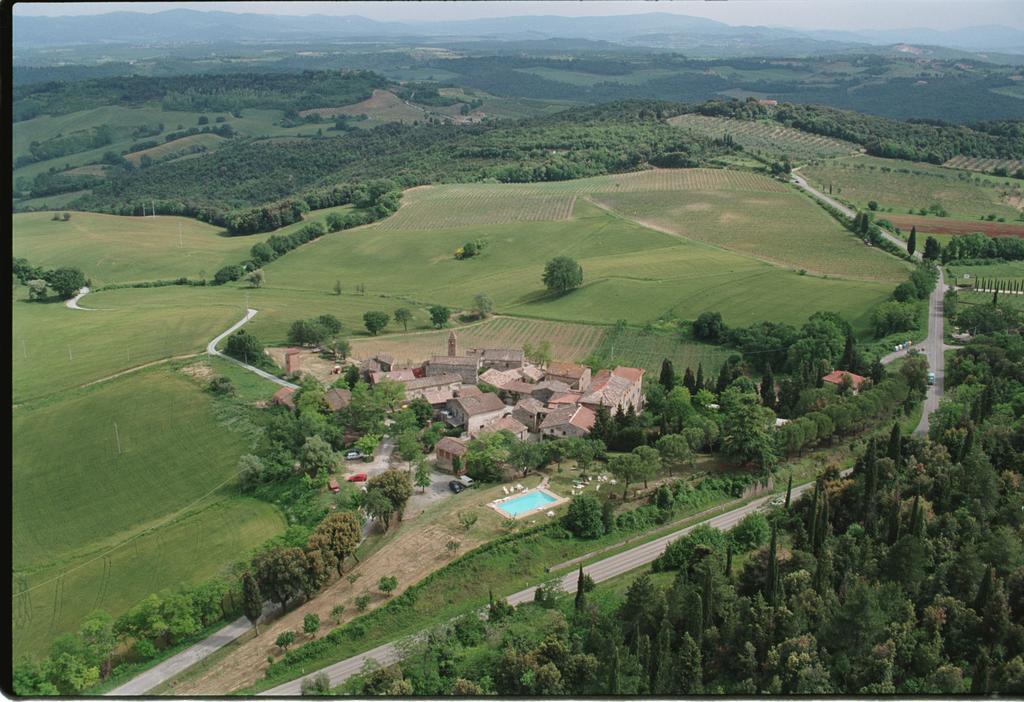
x,y
700,376
613,671
789,491
689,382
894,518
252,600
667,379
645,658
984,590
981,680
768,398
912,241
690,673
915,516
728,560
580,594
995,297
965,448
661,661
895,451
870,488
772,577
708,597
849,359
813,523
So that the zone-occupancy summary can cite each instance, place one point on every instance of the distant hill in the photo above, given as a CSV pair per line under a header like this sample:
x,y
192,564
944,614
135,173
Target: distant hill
x,y
657,29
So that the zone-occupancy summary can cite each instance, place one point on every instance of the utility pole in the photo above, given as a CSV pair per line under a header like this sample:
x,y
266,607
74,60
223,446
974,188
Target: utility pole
x,y
117,438
154,209
179,235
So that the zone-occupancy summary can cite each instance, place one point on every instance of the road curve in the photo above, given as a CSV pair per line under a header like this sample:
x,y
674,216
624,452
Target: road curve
x,y
72,304
211,349
600,571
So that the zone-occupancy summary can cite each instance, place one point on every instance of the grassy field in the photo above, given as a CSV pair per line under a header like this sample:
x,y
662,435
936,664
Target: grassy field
x,y
382,106
55,349
905,185
177,147
1009,270
767,138
630,272
114,249
781,228
171,518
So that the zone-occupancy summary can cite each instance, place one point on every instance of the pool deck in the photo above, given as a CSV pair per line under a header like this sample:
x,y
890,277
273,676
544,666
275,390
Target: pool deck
x,y
558,500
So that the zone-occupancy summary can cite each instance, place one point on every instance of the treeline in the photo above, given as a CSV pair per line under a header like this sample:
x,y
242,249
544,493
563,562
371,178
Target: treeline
x,y
591,141
65,281
216,92
915,141
979,246
66,144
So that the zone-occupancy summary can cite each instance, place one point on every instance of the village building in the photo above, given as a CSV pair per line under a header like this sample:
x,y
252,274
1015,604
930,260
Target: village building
x,y
380,362
435,389
292,361
620,389
468,391
448,450
563,399
836,378
284,397
507,423
530,412
531,373
337,399
577,377
476,411
499,359
545,390
498,378
399,375
569,421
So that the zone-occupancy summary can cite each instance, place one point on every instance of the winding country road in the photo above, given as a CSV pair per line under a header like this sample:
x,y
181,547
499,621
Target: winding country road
x,y
72,304
211,348
934,346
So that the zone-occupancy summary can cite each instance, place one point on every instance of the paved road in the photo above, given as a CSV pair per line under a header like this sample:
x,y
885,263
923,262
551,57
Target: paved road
x,y
600,571
211,348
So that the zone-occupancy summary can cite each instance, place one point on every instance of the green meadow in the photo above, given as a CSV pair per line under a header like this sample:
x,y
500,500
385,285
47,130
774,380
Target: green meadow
x,y
122,489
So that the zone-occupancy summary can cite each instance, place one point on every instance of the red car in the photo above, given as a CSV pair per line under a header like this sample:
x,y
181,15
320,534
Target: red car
x,y
357,478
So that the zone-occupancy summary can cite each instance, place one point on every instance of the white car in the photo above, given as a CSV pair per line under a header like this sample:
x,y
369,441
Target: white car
x,y
777,501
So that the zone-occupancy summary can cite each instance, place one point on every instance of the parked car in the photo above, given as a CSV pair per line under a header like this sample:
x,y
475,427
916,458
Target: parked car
x,y
455,486
357,478
931,377
353,455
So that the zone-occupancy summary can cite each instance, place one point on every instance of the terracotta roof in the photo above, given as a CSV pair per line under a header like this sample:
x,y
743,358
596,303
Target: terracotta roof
x,y
836,378
531,373
437,396
634,375
338,398
452,446
504,424
501,354
497,378
565,398
519,387
455,361
531,405
400,375
577,415
606,390
432,381
386,358
468,391
284,397
566,370
480,404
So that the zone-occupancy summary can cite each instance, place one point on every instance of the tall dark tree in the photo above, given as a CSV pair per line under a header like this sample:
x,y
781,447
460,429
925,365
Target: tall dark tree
x,y
700,376
772,577
789,491
689,381
667,379
912,241
252,600
768,397
932,249
895,449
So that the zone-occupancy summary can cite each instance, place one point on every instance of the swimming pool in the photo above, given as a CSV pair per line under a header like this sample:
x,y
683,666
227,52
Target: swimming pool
x,y
527,502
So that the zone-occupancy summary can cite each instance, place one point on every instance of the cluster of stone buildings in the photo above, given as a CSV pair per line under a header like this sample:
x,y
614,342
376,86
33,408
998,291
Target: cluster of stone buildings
x,y
519,397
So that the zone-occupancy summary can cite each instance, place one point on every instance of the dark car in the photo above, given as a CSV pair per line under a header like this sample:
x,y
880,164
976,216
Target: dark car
x,y
455,486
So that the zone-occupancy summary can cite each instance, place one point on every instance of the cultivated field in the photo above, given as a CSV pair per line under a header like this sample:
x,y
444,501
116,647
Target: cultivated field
x,y
631,272
781,228
944,225
899,186
164,501
179,147
767,138
983,165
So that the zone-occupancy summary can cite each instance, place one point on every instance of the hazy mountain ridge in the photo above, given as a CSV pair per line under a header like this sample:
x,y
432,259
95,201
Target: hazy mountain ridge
x,y
656,29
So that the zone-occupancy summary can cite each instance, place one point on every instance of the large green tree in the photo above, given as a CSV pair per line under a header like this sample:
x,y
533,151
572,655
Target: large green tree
x,y
562,274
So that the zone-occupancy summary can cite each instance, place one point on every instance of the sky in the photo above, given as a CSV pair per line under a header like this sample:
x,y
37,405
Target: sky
x,y
804,14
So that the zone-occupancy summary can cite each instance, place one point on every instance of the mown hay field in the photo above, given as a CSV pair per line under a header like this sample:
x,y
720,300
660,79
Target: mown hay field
x,y
767,138
899,186
114,249
76,497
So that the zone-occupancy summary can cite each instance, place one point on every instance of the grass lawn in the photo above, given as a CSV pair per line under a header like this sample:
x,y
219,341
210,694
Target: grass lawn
x,y
905,185
166,500
630,272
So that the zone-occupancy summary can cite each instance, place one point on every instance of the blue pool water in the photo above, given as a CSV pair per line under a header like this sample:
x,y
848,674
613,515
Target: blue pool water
x,y
526,502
